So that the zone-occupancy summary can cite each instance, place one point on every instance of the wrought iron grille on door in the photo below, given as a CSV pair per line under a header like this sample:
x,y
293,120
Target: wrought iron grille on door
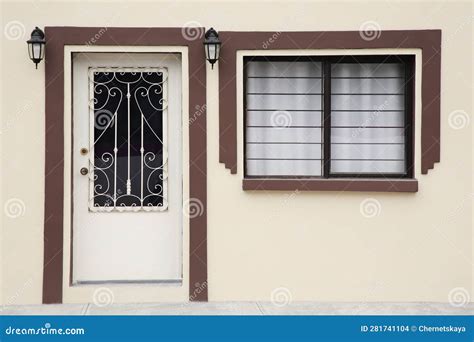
x,y
128,149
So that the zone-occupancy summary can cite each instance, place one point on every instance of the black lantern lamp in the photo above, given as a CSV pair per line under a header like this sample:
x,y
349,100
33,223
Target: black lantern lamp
x,y
36,46
212,46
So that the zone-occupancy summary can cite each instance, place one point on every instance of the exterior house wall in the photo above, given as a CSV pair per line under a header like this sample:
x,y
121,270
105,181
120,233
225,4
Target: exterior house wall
x,y
305,246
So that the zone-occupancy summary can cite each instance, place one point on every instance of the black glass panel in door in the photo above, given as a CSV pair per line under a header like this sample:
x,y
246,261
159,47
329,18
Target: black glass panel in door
x,y
128,139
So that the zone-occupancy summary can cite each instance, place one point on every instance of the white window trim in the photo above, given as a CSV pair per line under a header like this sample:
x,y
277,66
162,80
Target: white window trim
x,y
324,52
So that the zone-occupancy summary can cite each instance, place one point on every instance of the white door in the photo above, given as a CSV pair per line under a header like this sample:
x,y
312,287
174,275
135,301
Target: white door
x,y
127,171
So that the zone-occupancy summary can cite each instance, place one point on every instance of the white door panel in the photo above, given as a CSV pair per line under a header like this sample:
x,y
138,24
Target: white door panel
x,y
127,211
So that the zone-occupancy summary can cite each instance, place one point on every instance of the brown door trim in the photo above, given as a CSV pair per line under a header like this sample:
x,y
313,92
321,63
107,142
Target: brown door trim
x,y
429,41
57,38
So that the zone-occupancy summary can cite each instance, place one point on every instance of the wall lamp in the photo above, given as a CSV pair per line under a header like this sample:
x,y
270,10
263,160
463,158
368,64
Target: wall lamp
x,y
212,46
36,46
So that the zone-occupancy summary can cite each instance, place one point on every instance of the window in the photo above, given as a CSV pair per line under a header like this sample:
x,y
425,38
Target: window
x,y
328,117
128,112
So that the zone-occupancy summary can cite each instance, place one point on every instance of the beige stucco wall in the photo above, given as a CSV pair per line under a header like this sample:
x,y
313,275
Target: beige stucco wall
x,y
314,245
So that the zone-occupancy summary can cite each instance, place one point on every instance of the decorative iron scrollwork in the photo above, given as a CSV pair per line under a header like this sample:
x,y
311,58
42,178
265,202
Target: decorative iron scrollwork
x,y
128,149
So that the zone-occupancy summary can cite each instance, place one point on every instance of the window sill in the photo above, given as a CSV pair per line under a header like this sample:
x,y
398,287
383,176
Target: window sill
x,y
332,184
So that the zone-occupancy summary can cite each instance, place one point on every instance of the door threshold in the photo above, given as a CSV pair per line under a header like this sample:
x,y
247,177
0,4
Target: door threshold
x,y
129,282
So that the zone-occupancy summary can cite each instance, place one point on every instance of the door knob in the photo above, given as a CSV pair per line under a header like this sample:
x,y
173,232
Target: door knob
x,y
84,171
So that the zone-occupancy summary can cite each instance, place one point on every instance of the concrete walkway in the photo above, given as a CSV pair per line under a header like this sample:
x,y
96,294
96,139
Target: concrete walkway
x,y
244,308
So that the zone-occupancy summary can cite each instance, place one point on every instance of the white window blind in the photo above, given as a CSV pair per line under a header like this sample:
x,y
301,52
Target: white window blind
x,y
284,134
336,116
367,118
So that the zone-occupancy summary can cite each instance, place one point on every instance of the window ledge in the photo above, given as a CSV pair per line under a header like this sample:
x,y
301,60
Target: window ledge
x,y
332,184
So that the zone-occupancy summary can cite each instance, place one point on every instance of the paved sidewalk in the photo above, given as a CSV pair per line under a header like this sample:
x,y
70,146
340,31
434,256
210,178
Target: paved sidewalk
x,y
243,308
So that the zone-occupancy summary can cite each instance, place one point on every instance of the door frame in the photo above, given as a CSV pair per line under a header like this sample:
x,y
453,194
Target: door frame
x,y
77,291
60,42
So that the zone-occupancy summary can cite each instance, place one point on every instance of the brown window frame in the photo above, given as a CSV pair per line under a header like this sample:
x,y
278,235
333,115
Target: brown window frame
x,y
327,61
428,65
261,182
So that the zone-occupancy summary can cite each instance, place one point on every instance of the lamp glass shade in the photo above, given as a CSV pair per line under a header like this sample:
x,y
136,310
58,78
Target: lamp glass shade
x,y
36,46
211,52
212,46
36,51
